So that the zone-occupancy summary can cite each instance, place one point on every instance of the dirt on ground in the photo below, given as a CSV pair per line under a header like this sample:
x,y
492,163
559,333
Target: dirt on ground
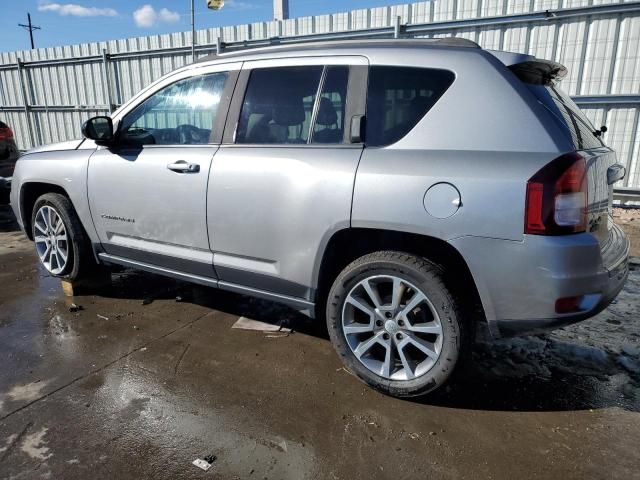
x,y
140,376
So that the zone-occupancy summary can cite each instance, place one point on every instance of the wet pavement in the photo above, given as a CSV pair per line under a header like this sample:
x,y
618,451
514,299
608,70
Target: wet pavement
x,y
146,375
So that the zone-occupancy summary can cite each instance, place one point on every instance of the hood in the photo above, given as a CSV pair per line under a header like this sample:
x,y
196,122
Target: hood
x,y
56,147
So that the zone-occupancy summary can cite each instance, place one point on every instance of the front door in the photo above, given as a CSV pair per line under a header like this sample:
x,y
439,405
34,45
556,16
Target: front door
x,y
148,193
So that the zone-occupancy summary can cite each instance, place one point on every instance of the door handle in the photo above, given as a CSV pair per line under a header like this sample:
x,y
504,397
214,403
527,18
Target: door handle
x,y
615,172
182,166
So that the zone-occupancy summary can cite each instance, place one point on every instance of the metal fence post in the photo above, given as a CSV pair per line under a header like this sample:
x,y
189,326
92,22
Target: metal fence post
x,y
107,79
397,27
25,101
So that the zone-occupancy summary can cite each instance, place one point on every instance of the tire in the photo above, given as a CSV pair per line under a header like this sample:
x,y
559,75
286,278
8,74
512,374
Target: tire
x,y
413,372
79,259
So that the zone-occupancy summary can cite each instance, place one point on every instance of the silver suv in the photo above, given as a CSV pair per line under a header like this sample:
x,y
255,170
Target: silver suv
x,y
403,190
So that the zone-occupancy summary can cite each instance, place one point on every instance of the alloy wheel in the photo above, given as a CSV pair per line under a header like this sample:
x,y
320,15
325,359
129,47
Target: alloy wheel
x,y
51,239
392,327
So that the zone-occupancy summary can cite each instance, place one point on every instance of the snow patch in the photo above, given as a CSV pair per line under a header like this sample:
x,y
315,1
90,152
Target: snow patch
x,y
8,442
540,356
28,392
35,446
631,365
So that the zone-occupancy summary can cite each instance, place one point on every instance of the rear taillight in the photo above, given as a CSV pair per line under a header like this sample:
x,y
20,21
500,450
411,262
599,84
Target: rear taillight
x,y
557,197
6,133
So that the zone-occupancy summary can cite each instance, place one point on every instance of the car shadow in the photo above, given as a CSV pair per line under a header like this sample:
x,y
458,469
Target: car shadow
x,y
7,219
146,287
492,379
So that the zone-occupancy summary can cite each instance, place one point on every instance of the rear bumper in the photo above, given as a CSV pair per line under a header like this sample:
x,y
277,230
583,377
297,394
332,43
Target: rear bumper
x,y
519,282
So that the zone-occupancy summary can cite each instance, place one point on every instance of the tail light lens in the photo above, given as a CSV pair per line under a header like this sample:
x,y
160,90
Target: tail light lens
x,y
6,133
557,197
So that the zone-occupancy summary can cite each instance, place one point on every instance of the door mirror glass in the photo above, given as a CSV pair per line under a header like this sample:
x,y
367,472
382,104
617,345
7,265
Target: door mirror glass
x,y
99,129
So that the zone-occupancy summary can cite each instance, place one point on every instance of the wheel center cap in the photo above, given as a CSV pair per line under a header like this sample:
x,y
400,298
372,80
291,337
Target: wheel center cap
x,y
391,327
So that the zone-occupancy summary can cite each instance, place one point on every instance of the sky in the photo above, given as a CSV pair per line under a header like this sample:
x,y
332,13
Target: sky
x,y
79,21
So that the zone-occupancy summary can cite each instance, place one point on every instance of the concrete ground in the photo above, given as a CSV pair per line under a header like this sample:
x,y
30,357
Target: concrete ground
x,y
140,378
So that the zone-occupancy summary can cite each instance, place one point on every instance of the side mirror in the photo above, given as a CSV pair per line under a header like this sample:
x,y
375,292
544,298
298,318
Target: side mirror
x,y
99,129
356,133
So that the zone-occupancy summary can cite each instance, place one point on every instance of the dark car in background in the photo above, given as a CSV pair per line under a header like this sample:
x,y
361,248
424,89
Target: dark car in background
x,y
9,153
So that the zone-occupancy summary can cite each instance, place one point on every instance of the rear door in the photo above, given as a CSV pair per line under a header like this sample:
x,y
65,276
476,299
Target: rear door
x,y
148,192
282,182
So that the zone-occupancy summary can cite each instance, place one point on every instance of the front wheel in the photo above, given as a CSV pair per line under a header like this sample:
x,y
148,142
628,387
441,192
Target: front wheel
x,y
60,241
395,324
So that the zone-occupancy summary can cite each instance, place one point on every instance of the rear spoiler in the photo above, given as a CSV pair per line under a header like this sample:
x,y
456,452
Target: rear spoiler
x,y
539,72
530,69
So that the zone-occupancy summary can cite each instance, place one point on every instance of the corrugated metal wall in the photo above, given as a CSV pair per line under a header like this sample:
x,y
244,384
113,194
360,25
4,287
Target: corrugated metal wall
x,y
597,40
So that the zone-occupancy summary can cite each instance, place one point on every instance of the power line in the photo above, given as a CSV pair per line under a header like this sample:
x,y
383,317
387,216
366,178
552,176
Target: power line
x,y
30,27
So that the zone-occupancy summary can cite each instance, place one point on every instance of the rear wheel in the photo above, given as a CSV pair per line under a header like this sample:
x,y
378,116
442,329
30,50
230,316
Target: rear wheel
x,y
395,324
61,244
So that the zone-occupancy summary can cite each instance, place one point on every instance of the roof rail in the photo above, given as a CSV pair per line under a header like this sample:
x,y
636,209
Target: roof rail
x,y
455,42
317,42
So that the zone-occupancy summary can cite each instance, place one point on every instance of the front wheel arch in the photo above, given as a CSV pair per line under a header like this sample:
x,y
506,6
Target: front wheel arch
x,y
29,194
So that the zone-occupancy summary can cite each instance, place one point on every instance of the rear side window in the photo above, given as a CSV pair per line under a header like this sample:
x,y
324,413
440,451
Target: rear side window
x,y
329,124
569,115
278,105
398,97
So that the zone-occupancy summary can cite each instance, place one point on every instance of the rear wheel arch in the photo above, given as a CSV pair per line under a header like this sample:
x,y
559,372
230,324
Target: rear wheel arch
x,y
349,244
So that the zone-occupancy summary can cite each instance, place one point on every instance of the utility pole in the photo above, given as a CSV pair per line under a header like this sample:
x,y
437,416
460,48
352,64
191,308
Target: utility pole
x,y
193,32
31,28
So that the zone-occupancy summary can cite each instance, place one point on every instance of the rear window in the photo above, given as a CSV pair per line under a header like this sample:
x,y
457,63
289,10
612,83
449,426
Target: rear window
x,y
398,97
569,115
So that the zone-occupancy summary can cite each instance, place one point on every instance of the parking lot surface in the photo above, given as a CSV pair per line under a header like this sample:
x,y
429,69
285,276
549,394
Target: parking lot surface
x,y
138,378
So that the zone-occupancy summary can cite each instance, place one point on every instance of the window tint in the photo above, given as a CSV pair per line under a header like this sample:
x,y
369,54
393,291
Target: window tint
x,y
278,105
570,116
398,97
182,113
329,124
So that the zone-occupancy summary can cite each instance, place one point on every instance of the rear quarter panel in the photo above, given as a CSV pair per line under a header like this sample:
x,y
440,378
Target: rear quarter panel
x,y
391,185
487,135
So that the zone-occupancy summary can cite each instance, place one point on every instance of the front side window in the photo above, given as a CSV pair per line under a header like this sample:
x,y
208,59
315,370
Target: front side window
x,y
398,98
278,105
182,113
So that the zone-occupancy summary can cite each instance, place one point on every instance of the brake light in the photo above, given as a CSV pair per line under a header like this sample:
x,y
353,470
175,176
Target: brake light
x,y
6,133
557,197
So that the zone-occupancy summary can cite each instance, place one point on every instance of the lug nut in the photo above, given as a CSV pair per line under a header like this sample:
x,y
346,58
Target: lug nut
x,y
388,315
399,336
401,323
378,323
385,336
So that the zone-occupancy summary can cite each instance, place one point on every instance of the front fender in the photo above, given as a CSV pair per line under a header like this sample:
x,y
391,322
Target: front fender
x,y
63,171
